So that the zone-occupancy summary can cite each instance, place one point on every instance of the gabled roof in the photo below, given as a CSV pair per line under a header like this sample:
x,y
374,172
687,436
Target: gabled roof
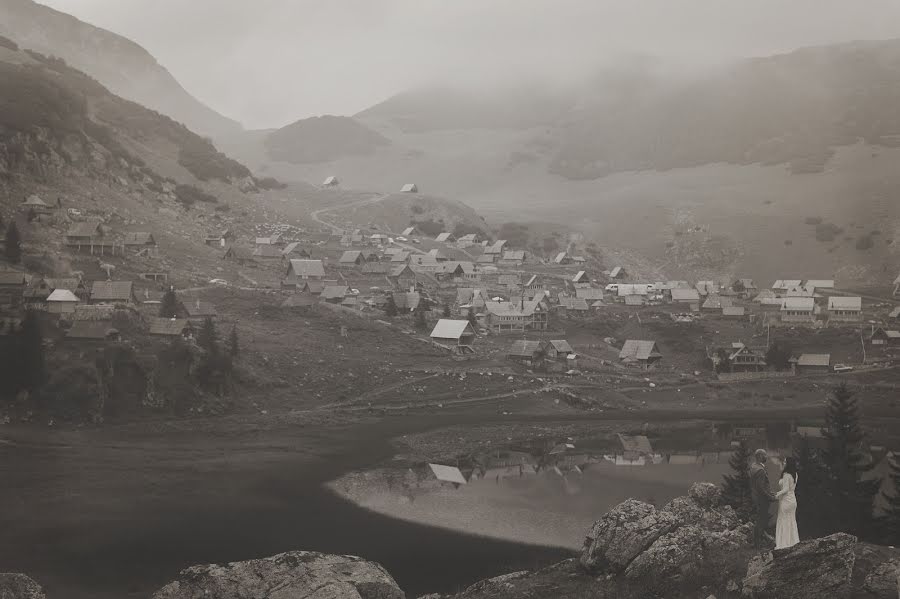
x,y
786,283
401,256
715,302
560,257
800,291
514,255
524,348
634,300
589,293
451,329
626,289
635,443
408,231
267,251
732,310
401,269
615,272
496,247
332,180
635,349
85,229
685,295
533,281
820,283
376,268
292,247
169,327
485,259
310,268
139,238
437,253
573,303
62,295
469,237
814,360
335,292
580,276
350,257
443,237
845,303
112,291
36,201
748,284
561,345
895,313
801,304
409,188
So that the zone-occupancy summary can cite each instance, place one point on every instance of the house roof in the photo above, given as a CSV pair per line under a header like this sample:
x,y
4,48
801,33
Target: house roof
x,y
408,231
496,247
400,257
12,278
814,360
399,269
561,345
335,291
437,253
579,276
139,238
513,255
310,268
332,180
820,283
532,280
845,303
560,257
447,474
634,300
85,229
350,257
786,283
62,295
112,290
800,291
485,259
615,272
469,237
313,286
626,289
408,187
90,329
299,300
199,309
524,348
685,295
170,327
377,268
707,287
635,443
804,304
895,312
732,310
35,200
635,349
289,248
442,237
573,303
451,329
589,293
714,301
267,251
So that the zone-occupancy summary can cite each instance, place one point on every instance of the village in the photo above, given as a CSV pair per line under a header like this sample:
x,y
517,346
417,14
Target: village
x,y
475,299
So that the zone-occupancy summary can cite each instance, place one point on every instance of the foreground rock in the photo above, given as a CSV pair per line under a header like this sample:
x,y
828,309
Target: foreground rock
x,y
883,581
19,586
810,570
292,575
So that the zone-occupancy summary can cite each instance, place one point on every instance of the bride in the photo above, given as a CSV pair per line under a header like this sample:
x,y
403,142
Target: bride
x,y
786,534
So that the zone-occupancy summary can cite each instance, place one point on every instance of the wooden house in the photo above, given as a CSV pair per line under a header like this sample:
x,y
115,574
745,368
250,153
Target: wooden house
x,y
351,258
512,258
811,364
528,353
844,309
743,358
403,276
617,273
198,311
331,181
113,292
885,337
267,252
409,188
35,204
641,353
171,327
517,316
238,255
299,271
798,310
558,349
334,294
85,234
562,258
92,330
142,242
448,238
62,301
457,335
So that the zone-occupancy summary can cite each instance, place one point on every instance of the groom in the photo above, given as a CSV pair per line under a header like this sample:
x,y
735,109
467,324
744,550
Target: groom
x,y
762,498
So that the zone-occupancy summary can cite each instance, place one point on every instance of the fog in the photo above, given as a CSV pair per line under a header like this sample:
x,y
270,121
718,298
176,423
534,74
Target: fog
x,y
269,62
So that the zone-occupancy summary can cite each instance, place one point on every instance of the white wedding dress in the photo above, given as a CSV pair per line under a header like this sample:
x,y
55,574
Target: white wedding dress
x,y
786,534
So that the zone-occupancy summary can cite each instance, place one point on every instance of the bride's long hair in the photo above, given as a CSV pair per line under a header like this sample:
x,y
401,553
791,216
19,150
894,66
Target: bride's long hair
x,y
790,467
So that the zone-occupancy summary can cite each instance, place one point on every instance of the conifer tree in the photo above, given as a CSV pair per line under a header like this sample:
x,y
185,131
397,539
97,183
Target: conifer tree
x,y
420,321
890,523
168,308
446,312
473,320
736,487
13,244
390,308
851,496
816,517
233,347
208,337
32,352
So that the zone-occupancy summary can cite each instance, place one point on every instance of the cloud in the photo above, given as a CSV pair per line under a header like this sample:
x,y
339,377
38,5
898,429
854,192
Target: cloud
x,y
269,62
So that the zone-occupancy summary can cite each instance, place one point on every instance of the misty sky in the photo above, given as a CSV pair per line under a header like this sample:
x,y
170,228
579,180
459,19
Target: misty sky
x,y
269,62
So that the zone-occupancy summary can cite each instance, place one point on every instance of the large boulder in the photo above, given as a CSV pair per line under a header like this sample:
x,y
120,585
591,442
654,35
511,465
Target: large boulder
x,y
706,495
689,512
809,570
883,581
622,534
19,586
291,575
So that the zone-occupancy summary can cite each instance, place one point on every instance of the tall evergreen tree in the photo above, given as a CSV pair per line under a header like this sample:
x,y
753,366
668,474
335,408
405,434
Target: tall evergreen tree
x,y
891,520
815,514
233,347
850,494
736,487
208,337
13,244
168,308
473,320
390,308
32,352
446,312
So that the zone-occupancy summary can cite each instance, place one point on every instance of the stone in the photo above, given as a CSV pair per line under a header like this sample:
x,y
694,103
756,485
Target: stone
x,y
882,581
497,583
19,586
688,511
706,495
673,556
812,569
622,534
291,575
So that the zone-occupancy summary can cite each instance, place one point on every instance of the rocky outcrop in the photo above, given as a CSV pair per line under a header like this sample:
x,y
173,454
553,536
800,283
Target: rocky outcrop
x,y
637,538
623,534
291,575
883,581
810,570
19,586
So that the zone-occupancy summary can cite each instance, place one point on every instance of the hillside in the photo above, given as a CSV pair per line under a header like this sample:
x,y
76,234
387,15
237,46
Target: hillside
x,y
121,65
322,139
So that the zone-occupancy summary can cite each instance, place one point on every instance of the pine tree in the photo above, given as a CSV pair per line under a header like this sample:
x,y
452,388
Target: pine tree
x,y
851,497
815,517
168,308
473,320
736,487
446,312
891,519
390,308
208,337
13,244
233,347
32,352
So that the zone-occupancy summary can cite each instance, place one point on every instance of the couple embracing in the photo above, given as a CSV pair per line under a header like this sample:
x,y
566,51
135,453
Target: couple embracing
x,y
786,534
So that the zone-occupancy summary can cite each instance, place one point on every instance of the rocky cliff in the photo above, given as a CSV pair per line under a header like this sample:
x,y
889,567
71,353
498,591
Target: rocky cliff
x,y
694,547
